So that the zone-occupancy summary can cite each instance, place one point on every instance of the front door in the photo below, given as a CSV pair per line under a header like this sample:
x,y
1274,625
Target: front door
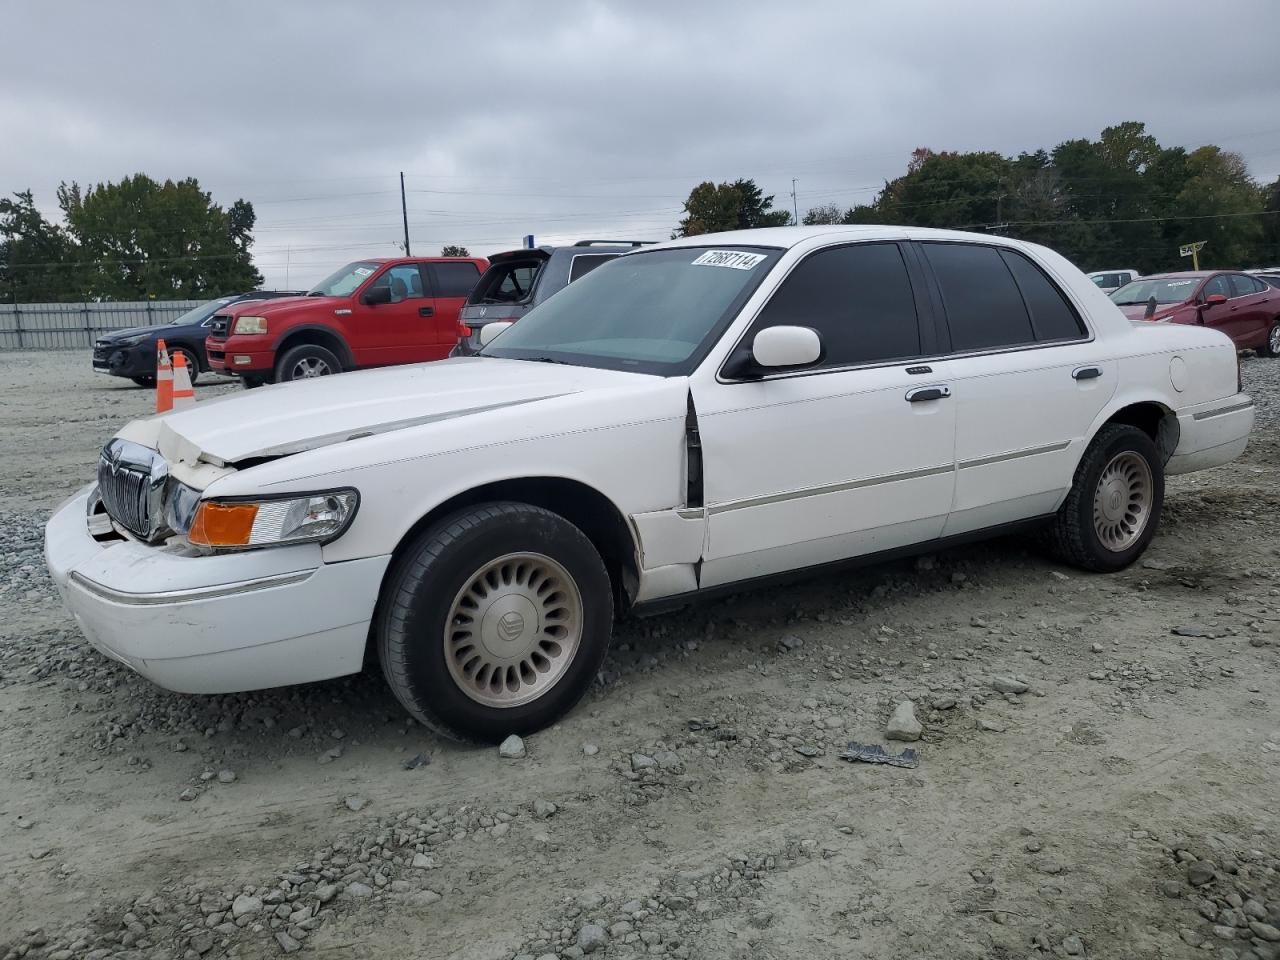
x,y
853,456
401,331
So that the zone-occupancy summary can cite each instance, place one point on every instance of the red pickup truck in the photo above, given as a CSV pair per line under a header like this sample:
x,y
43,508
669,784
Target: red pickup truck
x,y
371,313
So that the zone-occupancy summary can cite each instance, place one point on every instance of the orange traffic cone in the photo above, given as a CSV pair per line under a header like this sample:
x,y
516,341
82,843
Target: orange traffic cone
x,y
164,379
184,395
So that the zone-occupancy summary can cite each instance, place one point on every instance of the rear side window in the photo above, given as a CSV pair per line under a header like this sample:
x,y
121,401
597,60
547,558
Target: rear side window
x,y
1052,317
984,307
858,298
1245,286
453,279
584,263
508,282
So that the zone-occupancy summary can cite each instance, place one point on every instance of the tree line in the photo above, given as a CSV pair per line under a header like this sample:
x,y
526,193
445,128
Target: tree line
x,y
1122,200
130,240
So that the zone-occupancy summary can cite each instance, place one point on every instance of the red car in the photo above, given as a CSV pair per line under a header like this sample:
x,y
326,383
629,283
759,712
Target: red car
x,y
1243,307
371,313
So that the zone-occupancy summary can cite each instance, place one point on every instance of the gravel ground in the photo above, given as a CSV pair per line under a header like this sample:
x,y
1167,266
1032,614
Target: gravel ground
x,y
1098,762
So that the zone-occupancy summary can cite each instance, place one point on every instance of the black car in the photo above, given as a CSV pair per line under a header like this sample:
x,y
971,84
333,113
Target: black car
x,y
132,353
519,280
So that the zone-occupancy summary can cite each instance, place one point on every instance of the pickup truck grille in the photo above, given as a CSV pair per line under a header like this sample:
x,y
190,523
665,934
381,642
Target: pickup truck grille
x,y
131,483
220,326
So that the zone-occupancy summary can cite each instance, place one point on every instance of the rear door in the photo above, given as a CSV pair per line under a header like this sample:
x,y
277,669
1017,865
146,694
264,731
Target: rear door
x,y
1252,310
451,282
1027,382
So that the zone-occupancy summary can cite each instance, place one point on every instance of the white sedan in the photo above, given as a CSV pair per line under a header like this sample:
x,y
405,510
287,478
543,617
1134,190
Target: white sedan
x,y
690,417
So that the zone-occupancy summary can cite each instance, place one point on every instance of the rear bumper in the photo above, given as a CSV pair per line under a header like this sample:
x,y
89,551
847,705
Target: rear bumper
x,y
220,624
1212,434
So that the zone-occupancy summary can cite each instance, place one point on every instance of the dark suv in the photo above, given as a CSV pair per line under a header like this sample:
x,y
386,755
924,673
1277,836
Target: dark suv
x,y
132,353
519,280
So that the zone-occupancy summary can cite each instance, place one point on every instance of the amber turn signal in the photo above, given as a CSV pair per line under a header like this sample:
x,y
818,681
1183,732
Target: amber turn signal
x,y
223,524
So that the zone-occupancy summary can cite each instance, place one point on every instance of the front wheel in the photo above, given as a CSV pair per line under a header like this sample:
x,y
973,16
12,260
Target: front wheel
x,y
1113,508
305,361
494,621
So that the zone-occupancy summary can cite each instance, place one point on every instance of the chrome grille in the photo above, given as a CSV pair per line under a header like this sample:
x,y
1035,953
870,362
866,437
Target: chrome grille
x,y
131,482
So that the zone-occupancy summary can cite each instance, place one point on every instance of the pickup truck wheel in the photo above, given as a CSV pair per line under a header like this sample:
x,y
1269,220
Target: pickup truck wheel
x,y
305,361
494,621
1113,508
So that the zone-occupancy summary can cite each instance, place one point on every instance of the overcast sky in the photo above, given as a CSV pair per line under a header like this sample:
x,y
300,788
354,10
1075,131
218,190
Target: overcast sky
x,y
579,119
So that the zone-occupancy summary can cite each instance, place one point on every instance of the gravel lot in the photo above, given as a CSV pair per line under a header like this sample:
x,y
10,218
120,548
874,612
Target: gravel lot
x,y
1113,795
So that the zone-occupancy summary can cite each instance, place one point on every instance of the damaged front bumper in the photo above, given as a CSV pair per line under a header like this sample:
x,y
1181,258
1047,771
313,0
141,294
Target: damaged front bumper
x,y
213,624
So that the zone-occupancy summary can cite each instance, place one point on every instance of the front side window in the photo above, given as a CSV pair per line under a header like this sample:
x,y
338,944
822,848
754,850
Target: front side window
x,y
405,282
657,311
858,298
983,306
1218,285
343,283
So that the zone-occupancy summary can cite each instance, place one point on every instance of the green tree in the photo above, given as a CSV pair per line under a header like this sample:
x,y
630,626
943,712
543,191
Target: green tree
x,y
1269,245
140,238
825,214
453,250
1219,202
34,254
741,205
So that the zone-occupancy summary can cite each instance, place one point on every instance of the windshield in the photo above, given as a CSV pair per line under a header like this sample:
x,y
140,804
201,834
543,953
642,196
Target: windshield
x,y
1172,290
344,282
653,312
202,312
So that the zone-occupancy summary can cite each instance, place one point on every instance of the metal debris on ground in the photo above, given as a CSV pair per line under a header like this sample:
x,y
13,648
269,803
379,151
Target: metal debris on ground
x,y
413,763
874,753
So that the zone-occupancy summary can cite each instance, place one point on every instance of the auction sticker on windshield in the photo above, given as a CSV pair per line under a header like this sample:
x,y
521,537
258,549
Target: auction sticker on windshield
x,y
362,271
733,259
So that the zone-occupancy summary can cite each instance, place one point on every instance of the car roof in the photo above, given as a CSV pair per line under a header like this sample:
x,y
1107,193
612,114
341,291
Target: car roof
x,y
1182,275
787,237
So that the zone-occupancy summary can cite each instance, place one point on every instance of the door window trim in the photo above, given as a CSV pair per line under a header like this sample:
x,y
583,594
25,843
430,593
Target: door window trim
x,y
942,346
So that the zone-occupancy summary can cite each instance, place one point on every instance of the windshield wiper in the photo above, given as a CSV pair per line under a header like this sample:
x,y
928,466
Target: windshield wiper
x,y
317,293
565,363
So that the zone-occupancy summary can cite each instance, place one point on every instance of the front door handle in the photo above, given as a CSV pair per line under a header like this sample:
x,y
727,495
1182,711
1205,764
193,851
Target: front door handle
x,y
426,311
1086,373
938,391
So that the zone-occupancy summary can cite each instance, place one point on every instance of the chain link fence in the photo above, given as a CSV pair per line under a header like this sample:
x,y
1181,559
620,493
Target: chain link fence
x,y
74,326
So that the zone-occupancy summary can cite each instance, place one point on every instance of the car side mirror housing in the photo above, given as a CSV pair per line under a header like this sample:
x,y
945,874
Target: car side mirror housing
x,y
786,347
775,348
1213,299
376,295
491,330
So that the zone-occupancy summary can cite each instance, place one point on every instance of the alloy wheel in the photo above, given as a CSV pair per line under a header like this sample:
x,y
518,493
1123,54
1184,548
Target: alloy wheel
x,y
1122,501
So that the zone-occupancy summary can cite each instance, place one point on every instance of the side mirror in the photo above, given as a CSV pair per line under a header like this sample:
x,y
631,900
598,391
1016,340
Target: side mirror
x,y
1213,299
376,295
491,330
786,347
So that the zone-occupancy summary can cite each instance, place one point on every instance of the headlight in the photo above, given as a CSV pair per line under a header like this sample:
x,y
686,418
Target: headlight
x,y
131,341
250,325
246,523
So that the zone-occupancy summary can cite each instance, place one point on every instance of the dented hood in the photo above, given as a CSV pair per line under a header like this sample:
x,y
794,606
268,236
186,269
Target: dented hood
x,y
292,417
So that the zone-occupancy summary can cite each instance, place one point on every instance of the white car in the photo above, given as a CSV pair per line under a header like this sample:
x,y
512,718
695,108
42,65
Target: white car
x,y
687,418
1109,281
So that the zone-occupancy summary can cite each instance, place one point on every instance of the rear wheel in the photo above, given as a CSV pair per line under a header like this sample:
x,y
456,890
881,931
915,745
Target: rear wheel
x,y
193,362
494,621
305,362
1113,508
1272,346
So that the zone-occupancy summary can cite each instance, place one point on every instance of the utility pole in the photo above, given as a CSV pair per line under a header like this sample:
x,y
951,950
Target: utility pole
x,y
795,209
404,212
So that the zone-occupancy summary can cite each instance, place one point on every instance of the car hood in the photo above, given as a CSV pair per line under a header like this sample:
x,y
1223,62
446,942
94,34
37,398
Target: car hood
x,y
115,336
290,418
281,306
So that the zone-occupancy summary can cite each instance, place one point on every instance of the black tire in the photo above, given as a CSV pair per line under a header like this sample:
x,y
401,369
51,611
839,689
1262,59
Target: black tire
x,y
144,381
418,597
193,362
1073,536
306,353
1271,348
250,382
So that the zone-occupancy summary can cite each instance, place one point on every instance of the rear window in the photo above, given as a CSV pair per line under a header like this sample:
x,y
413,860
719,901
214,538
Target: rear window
x,y
454,279
584,263
508,282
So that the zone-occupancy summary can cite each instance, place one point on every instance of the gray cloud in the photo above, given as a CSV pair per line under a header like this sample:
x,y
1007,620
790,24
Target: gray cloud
x,y
584,118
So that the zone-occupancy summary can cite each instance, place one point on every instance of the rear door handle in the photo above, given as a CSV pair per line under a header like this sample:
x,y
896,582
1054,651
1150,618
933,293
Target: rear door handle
x,y
426,311
938,391
1086,373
